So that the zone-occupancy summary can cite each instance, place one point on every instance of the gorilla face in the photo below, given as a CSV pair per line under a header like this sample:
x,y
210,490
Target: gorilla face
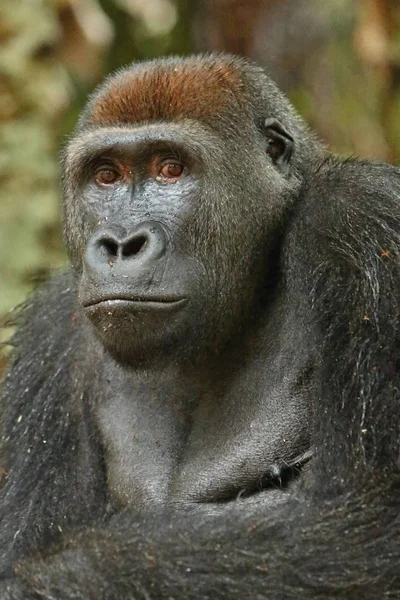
x,y
170,237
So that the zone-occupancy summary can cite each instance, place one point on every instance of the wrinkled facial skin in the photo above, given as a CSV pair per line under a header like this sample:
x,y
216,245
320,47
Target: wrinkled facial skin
x,y
170,263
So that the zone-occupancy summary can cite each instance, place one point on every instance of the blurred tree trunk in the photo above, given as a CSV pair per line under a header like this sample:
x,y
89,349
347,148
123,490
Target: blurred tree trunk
x,y
227,25
272,32
376,40
307,46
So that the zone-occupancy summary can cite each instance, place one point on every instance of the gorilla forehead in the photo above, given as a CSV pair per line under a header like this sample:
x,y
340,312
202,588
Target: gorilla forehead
x,y
170,89
228,94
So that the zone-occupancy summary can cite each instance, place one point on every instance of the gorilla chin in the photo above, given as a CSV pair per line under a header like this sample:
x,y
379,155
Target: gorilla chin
x,y
132,327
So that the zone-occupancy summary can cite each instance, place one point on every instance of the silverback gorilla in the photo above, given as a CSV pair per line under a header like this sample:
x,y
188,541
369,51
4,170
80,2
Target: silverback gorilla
x,y
206,405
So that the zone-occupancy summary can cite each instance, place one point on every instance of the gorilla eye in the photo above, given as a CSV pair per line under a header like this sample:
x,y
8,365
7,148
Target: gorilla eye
x,y
171,170
107,176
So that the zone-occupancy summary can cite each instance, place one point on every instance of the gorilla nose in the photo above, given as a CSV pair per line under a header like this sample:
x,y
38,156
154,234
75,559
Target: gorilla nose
x,y
115,247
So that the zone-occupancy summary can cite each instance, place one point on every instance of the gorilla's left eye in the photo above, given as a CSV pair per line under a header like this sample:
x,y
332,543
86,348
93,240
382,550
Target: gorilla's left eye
x,y
107,176
171,170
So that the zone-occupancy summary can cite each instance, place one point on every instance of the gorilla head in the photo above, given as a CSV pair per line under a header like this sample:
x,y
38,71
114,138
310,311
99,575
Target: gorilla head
x,y
169,220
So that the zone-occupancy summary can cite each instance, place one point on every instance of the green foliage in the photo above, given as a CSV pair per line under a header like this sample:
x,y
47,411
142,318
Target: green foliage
x,y
34,93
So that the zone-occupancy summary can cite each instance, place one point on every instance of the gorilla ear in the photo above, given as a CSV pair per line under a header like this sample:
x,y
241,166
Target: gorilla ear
x,y
280,145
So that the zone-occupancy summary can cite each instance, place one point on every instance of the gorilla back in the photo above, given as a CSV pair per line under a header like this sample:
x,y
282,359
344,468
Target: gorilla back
x,y
206,405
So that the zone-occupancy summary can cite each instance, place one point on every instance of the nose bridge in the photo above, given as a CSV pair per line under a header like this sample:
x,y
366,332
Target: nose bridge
x,y
111,234
116,231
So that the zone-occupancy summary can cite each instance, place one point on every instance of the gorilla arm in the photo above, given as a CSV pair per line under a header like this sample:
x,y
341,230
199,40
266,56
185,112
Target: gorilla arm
x,y
292,552
48,446
340,537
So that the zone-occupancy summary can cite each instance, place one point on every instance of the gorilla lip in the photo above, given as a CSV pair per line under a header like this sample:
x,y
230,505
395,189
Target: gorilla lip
x,y
138,302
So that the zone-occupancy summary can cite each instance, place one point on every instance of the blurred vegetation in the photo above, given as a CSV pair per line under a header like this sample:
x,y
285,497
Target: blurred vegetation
x,y
339,61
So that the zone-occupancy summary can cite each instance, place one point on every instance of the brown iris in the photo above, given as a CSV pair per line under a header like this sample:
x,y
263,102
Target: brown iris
x,y
107,176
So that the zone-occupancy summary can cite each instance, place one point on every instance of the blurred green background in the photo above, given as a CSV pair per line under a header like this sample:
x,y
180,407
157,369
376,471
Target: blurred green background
x,y
338,60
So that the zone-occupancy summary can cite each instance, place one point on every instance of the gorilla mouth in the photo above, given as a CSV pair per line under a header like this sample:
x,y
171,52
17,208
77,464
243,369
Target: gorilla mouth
x,y
137,302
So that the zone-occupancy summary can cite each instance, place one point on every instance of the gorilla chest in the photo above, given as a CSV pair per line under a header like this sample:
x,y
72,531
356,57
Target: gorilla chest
x,y
164,447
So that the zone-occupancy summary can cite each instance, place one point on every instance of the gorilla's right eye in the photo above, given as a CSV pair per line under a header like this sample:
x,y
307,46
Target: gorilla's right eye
x,y
171,170
167,171
107,176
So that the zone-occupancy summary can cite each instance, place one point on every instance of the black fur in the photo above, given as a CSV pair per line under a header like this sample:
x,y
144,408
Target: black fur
x,y
334,534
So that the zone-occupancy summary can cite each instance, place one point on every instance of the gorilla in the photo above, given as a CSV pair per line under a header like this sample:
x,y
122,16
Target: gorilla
x,y
206,405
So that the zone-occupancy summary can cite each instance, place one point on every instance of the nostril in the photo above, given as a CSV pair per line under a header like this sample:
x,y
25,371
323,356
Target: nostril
x,y
134,246
108,248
